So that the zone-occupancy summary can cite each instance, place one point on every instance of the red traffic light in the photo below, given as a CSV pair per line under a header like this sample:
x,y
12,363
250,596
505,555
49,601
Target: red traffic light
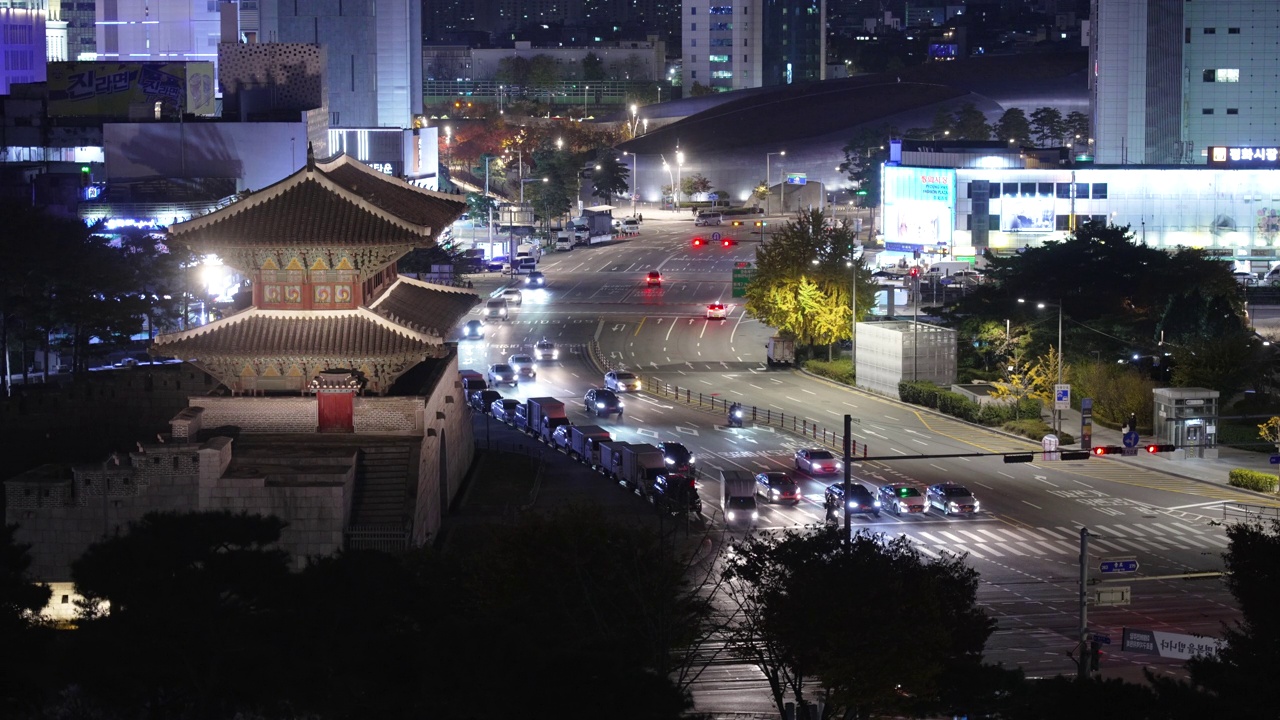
x,y
915,271
726,242
697,242
1108,450
1161,448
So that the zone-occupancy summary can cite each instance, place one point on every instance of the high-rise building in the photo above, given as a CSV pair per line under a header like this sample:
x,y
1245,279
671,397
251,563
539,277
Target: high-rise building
x,y
1169,78
22,42
156,30
756,43
79,15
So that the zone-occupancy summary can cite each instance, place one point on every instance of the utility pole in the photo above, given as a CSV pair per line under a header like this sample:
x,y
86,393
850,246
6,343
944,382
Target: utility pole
x,y
1082,661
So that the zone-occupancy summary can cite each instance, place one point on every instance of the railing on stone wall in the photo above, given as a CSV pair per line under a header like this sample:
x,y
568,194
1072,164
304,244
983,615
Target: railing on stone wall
x,y
386,538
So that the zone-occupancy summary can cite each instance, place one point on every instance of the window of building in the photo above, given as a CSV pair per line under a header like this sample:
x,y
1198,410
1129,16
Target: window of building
x,y
1187,36
1099,191
1233,111
1044,189
746,58
1010,188
721,9
693,27
1062,222
1230,75
1082,190
719,74
1210,31
1233,31
1206,111
693,74
693,11
1100,219
1063,190
718,58
693,58
1027,189
721,26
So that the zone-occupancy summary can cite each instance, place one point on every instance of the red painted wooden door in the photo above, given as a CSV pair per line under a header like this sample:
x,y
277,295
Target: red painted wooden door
x,y
335,411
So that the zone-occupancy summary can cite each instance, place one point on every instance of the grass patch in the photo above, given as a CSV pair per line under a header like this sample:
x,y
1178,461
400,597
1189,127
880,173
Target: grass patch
x,y
840,371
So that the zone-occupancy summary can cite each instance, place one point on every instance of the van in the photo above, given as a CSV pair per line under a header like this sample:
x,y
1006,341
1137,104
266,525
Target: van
x,y
495,309
564,241
528,250
708,218
630,225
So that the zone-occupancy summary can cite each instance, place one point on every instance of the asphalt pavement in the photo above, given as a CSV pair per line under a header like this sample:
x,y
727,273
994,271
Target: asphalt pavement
x,y
1166,515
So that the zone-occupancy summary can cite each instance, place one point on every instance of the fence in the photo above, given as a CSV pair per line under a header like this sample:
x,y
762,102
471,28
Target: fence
x,y
1249,513
387,538
791,423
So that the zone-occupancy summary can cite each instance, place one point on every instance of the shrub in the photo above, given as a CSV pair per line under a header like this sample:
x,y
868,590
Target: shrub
x,y
1252,480
919,392
839,370
1036,429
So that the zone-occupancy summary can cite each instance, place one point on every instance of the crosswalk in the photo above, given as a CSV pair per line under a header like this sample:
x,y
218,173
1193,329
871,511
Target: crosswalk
x,y
995,540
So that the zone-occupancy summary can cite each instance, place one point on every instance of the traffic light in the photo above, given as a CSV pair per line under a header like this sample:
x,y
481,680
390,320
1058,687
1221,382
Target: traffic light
x,y
915,272
697,242
1161,448
737,223
761,223
726,242
1074,454
86,176
1019,458
1095,655
1108,450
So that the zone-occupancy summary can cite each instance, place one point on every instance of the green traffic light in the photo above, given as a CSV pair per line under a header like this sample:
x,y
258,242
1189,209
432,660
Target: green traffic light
x,y
84,168
861,192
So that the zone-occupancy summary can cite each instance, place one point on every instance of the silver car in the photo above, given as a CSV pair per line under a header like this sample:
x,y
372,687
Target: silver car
x,y
902,499
622,381
952,499
503,374
544,349
524,366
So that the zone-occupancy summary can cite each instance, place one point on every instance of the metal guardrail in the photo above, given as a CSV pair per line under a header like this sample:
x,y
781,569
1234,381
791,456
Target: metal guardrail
x,y
757,416
1240,512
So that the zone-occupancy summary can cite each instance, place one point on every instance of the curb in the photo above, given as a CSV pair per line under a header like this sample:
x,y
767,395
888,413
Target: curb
x,y
998,431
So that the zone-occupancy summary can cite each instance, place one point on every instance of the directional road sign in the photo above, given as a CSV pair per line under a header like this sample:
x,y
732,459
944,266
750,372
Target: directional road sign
x,y
1062,397
715,237
1118,565
741,277
1130,439
1100,638
1275,459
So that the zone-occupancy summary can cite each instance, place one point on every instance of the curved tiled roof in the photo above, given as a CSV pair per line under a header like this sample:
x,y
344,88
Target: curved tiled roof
x,y
425,306
355,333
341,202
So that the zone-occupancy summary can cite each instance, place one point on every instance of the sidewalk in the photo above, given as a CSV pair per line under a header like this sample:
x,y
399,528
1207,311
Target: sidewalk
x,y
1210,470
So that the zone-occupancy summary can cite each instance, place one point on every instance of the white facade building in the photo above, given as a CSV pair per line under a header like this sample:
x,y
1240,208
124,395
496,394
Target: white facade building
x,y
23,31
157,31
1172,77
722,44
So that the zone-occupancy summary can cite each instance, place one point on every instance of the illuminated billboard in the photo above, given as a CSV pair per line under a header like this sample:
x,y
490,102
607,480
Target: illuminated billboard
x,y
919,205
1026,214
130,90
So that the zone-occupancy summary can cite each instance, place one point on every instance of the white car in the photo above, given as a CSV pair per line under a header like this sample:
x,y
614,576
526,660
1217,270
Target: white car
x,y
524,366
717,311
816,461
544,349
902,499
513,296
622,381
503,374
952,499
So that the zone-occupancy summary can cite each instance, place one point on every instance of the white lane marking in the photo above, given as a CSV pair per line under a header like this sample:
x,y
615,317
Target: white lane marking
x,y
1110,531
966,550
1033,505
938,466
951,537
975,536
1108,544
931,538
1004,474
1195,505
1175,532
1032,548
1055,548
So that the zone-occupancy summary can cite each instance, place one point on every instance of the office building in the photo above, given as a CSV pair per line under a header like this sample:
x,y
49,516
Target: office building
x,y
1170,78
22,40
757,43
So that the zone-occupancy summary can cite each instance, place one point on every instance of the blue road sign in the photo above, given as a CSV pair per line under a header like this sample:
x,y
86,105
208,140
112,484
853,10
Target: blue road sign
x,y
1100,638
1275,459
1062,396
1130,439
715,237
1118,565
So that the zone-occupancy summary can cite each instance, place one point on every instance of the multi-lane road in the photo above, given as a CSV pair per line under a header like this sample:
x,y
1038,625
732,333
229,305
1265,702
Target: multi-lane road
x,y
1025,542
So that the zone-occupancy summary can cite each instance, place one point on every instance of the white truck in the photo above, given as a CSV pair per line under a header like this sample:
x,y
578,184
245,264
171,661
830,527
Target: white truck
x,y
545,414
641,466
584,443
738,489
610,463
564,240
781,351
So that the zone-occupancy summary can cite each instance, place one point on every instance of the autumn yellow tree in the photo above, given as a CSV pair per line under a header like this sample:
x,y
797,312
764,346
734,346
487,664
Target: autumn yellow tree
x,y
1270,431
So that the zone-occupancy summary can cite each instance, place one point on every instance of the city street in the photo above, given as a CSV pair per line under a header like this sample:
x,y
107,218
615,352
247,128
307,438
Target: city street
x,y
1025,540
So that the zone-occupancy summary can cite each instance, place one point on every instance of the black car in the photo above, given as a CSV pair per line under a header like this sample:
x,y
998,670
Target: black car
x,y
861,501
535,279
676,493
482,400
602,402
677,456
495,263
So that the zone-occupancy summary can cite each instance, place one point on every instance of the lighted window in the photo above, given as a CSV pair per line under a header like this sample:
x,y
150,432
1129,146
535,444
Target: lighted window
x,y
721,9
720,74
721,26
718,58
1228,75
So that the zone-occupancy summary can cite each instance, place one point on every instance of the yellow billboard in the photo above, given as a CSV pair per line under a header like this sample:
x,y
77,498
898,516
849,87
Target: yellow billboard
x,y
130,90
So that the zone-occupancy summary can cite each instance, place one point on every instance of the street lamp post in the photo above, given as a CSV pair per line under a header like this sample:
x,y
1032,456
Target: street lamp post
x,y
529,180
853,320
488,201
679,167
781,153
1057,414
585,88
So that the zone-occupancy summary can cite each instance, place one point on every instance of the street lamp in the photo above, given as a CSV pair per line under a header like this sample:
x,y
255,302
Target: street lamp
x,y
1057,415
634,179
781,153
585,88
679,167
667,167
488,202
529,180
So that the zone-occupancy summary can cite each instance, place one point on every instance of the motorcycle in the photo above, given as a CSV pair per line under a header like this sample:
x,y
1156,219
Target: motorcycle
x,y
735,417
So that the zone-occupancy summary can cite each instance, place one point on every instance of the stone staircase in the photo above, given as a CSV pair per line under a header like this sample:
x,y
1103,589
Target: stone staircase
x,y
383,474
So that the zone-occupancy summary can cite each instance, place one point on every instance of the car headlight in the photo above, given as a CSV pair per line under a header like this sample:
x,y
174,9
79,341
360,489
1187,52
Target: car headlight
x,y
976,505
619,406
755,515
799,494
555,354
730,515
669,461
773,492
692,459
877,503
951,504
600,406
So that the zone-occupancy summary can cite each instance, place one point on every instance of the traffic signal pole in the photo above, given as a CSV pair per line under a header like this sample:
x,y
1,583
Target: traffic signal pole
x,y
1082,659
848,474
